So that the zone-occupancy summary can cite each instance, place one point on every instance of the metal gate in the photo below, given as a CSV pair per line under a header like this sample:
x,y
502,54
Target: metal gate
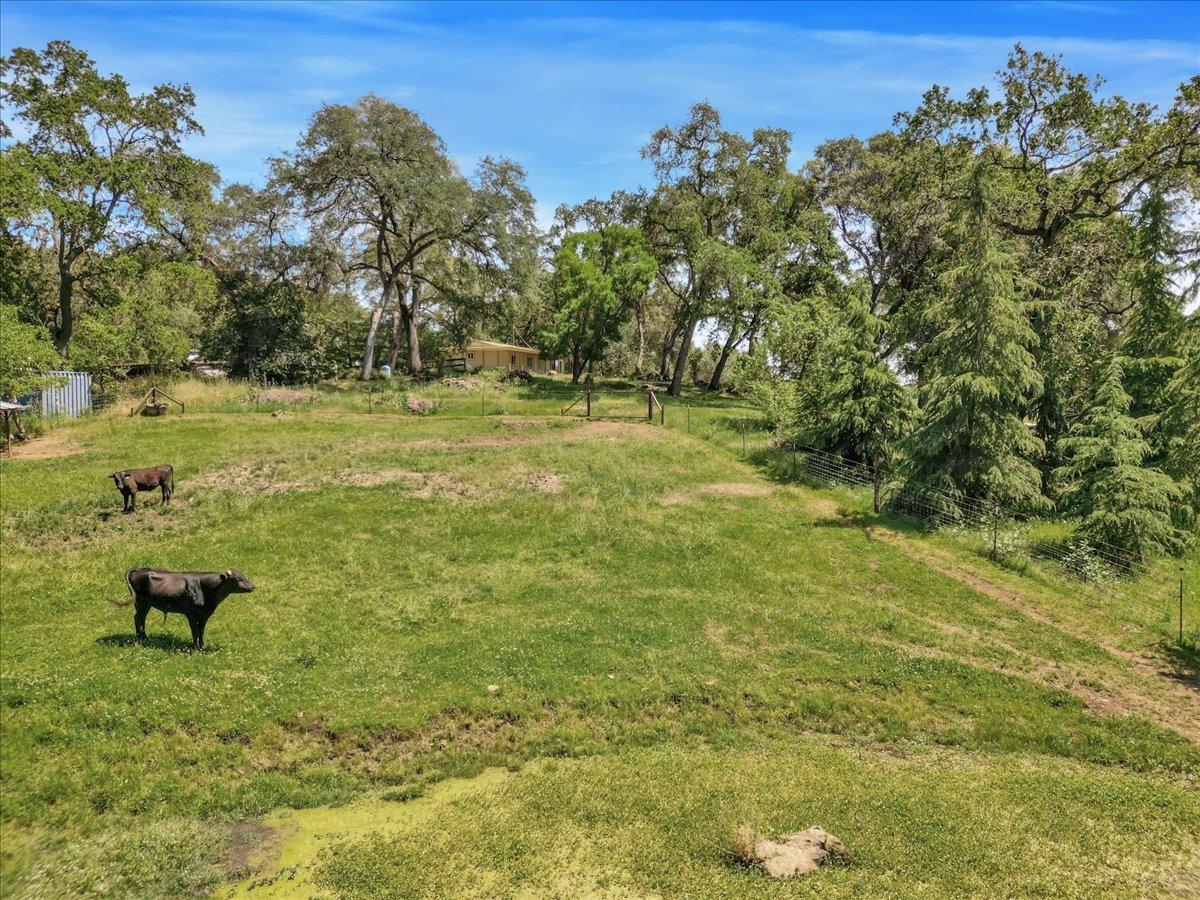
x,y
73,397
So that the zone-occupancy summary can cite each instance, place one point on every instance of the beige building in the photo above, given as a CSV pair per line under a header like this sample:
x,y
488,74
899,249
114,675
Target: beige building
x,y
492,355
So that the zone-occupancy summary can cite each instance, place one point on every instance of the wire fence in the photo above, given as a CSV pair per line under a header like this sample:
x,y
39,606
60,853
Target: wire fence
x,y
1004,535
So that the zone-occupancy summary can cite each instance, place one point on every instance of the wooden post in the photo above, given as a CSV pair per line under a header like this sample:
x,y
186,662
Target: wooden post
x,y
650,406
7,435
589,403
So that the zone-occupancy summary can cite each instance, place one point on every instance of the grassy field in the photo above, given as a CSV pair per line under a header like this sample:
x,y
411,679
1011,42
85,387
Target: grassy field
x,y
521,653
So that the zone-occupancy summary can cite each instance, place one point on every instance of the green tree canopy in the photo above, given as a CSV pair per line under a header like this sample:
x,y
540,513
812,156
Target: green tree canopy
x,y
95,169
1120,502
26,355
598,278
376,181
867,411
973,439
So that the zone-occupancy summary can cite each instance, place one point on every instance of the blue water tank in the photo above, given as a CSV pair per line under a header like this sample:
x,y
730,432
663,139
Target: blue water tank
x,y
385,371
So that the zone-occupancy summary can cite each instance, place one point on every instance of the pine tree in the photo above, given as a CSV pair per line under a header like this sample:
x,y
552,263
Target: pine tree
x,y
1120,502
867,411
1154,329
972,439
1179,425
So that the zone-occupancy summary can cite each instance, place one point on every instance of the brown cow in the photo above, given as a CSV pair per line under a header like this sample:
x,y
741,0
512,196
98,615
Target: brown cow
x,y
131,481
195,595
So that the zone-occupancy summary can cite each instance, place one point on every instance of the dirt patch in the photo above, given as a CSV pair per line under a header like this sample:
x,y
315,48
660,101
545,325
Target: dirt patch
x,y
735,489
418,406
821,506
546,483
675,498
591,430
718,635
519,424
50,446
265,480
283,395
423,484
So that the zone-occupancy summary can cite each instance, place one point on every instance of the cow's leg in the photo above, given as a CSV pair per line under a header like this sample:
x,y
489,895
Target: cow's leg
x,y
140,609
166,493
197,632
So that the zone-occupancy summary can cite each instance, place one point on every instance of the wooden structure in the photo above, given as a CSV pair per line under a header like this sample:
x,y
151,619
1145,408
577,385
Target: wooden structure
x,y
480,354
10,412
150,405
653,405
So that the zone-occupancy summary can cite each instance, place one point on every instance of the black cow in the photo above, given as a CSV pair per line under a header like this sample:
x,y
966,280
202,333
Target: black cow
x,y
194,594
130,481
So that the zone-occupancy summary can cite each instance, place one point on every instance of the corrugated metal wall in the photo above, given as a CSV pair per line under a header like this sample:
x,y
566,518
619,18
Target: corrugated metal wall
x,y
71,398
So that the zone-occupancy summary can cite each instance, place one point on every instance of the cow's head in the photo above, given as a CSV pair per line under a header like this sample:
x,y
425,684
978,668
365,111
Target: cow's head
x,y
238,583
118,479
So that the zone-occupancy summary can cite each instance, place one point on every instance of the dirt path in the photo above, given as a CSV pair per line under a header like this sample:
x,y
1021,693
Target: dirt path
x,y
50,446
1149,692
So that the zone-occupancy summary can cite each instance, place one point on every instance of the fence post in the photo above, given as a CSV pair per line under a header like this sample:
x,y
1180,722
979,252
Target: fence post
x,y
370,400
650,407
688,407
1181,605
743,438
481,402
793,460
995,530
589,403
662,415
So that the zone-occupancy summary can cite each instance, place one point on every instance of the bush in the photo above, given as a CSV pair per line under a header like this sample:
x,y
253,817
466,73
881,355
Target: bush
x,y
26,354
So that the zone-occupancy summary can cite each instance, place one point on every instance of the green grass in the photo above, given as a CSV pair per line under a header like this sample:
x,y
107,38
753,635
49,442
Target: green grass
x,y
445,594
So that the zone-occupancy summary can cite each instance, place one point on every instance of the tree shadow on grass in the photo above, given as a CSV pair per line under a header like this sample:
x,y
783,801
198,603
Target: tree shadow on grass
x,y
1185,661
169,642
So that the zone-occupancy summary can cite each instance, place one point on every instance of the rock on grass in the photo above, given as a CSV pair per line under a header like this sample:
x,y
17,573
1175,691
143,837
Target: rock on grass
x,y
789,855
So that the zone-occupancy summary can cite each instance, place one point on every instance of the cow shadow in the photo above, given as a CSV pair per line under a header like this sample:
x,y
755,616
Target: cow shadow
x,y
167,642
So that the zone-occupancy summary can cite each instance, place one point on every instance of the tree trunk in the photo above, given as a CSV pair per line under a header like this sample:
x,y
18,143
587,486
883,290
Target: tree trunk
x,y
752,335
719,369
368,362
685,345
639,369
414,334
668,350
66,313
397,329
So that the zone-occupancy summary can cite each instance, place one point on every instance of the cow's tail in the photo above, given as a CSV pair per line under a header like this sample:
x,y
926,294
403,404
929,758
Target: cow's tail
x,y
128,584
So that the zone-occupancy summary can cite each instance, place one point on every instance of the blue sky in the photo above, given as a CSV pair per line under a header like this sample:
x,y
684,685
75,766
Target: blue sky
x,y
571,91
